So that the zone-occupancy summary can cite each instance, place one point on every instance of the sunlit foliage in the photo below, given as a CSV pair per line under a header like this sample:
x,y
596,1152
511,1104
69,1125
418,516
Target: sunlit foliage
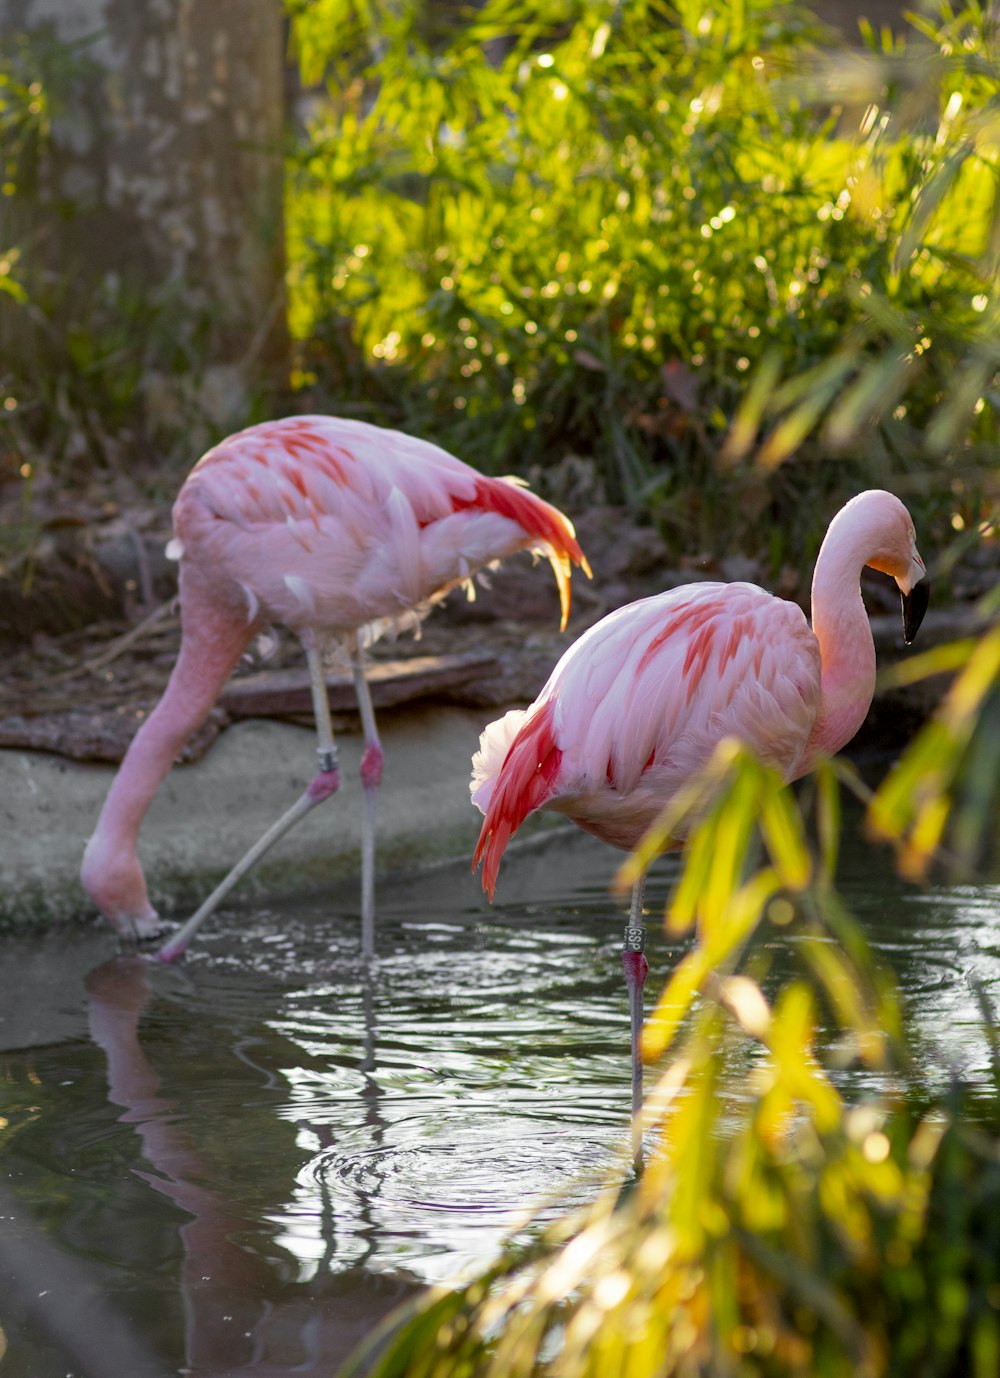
x,y
940,803
922,355
780,1228
24,122
666,236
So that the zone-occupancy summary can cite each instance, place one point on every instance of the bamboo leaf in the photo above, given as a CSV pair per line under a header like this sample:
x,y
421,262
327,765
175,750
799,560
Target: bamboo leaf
x,y
792,429
872,394
939,660
781,825
746,423
674,1004
828,818
928,200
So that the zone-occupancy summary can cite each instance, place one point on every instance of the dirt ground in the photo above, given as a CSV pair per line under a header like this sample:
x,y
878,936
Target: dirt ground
x,y
89,631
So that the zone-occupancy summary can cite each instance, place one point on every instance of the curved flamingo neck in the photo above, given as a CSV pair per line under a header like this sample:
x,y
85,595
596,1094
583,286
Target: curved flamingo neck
x,y
212,641
840,623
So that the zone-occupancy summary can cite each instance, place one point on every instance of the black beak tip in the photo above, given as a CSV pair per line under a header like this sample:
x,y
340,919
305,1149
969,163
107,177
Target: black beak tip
x,y
914,606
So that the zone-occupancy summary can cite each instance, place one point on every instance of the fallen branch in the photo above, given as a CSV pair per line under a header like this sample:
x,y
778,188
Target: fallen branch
x,y
118,646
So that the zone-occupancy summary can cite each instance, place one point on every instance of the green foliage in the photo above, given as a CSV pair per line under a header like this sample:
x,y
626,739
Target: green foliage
x,y
677,240
780,1227
24,124
522,222
920,362
625,231
940,801
101,379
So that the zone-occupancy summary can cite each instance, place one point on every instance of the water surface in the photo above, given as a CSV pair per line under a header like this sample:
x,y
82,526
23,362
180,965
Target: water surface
x,y
239,1165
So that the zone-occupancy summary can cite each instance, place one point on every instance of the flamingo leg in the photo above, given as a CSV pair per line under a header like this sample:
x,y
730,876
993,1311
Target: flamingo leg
x,y
325,783
371,775
636,967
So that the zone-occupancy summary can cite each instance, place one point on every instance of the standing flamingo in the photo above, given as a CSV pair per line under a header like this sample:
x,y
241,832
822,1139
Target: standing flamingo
x,y
639,703
338,530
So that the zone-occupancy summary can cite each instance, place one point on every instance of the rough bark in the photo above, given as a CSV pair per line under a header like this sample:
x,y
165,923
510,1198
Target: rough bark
x,y
163,177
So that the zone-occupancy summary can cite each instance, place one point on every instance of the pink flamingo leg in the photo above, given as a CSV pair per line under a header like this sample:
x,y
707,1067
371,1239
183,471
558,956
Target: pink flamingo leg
x,y
371,776
325,783
636,968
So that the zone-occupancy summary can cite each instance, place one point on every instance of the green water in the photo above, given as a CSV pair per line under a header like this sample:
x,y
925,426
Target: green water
x,y
238,1166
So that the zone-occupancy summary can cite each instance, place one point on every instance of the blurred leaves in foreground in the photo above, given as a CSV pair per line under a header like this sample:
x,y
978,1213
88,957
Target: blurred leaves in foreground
x,y
783,1226
941,800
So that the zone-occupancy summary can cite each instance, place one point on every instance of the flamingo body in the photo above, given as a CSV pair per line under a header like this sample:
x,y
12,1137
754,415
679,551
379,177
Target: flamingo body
x,y
339,530
639,703
324,523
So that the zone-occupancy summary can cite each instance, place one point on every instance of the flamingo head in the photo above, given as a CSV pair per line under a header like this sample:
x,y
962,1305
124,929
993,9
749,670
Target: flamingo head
x,y
893,550
117,886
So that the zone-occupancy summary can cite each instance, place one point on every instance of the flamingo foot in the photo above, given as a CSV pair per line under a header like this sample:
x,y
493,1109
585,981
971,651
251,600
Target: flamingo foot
x,y
170,953
134,933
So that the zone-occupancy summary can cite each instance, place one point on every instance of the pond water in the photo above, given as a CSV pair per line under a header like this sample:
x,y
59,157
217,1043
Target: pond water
x,y
239,1165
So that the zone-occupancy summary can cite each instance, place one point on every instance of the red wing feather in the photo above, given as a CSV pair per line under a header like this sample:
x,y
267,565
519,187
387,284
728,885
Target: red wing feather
x,y
526,780
532,514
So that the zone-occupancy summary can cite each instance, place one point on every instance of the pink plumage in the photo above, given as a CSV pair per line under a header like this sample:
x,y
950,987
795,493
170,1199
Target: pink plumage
x,y
339,524
638,705
339,530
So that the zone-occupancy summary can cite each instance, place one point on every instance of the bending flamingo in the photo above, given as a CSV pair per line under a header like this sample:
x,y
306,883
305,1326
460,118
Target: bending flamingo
x,y
639,703
338,530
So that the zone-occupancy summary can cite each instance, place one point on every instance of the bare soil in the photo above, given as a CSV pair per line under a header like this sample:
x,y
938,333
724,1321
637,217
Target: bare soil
x,y
89,630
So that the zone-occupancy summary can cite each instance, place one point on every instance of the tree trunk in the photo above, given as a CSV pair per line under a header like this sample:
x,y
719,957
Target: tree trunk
x,y
161,186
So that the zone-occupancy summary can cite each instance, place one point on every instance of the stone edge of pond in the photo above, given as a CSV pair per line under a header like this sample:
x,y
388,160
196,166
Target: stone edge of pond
x,y
207,813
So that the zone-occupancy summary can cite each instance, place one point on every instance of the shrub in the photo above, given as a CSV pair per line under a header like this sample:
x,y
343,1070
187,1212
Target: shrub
x,y
613,229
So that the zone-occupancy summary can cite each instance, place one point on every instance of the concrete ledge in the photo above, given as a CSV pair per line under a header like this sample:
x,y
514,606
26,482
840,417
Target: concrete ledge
x,y
206,814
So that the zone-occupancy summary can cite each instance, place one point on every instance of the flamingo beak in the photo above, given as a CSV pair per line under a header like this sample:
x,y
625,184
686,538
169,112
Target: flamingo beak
x,y
914,606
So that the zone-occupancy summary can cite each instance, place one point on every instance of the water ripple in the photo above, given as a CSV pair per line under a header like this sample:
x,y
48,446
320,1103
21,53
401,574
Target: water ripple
x,y
409,1115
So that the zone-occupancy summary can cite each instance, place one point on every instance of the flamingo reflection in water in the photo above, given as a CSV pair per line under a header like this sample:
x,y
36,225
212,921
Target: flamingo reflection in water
x,y
241,1315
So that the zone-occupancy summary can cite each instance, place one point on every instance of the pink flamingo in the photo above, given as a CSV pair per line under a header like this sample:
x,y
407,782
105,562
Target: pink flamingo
x,y
338,530
638,704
